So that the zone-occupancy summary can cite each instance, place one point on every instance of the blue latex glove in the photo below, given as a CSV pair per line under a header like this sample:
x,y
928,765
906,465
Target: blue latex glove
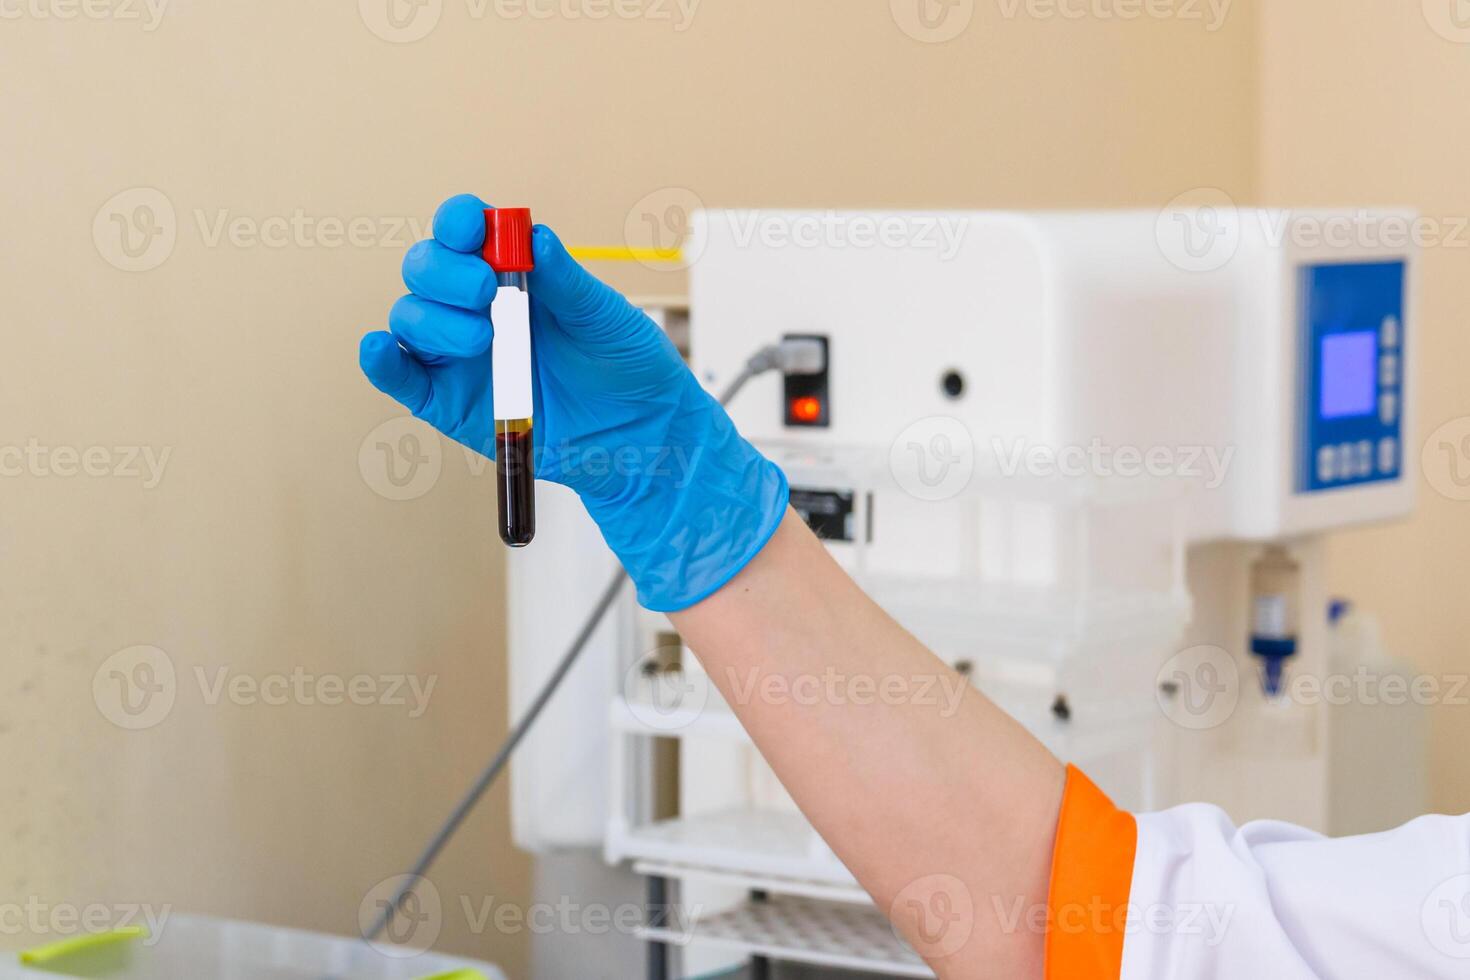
x,y
680,497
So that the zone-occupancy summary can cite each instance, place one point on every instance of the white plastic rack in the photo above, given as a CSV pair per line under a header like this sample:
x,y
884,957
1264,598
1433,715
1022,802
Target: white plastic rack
x,y
1059,598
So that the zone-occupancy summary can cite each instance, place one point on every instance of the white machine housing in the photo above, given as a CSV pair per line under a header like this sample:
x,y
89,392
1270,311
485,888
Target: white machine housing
x,y
1069,328
1236,337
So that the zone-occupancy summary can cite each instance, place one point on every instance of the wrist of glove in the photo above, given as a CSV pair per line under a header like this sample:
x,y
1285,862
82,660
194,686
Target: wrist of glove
x,y
705,506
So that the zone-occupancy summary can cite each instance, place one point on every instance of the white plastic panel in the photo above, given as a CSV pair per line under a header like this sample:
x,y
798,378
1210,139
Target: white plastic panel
x,y
808,931
559,784
745,882
755,840
188,947
899,316
1071,329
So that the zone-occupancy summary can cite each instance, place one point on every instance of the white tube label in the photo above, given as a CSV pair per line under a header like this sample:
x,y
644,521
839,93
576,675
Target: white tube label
x,y
510,353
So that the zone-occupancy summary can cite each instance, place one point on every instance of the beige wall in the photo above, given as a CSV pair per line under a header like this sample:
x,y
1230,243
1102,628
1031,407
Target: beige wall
x,y
1370,107
263,548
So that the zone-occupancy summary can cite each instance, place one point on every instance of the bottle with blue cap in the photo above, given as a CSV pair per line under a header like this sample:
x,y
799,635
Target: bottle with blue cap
x,y
1275,585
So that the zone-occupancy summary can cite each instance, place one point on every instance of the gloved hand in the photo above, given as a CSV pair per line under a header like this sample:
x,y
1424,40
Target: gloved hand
x,y
680,497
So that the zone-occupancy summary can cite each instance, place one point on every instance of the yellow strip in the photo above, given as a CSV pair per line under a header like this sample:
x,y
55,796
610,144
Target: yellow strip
x,y
622,253
465,974
69,947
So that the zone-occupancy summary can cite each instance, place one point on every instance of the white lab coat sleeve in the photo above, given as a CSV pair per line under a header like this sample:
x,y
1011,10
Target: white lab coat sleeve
x,y
1271,900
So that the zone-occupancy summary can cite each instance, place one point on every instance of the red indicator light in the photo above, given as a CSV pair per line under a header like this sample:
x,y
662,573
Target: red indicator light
x,y
806,409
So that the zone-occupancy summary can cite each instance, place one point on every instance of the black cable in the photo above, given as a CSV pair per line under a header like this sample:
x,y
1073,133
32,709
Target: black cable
x,y
502,756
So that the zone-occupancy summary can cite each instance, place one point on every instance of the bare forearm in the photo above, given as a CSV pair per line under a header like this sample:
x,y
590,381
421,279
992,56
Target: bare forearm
x,y
926,791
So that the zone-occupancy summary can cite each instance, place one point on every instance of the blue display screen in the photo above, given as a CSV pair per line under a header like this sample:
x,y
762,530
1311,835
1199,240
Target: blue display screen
x,y
1349,384
1351,393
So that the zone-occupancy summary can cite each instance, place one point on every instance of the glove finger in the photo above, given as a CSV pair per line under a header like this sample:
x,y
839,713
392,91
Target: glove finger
x,y
433,331
435,272
460,223
581,303
393,371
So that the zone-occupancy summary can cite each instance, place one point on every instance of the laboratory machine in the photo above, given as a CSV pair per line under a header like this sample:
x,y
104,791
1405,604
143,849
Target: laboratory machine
x,y
1088,463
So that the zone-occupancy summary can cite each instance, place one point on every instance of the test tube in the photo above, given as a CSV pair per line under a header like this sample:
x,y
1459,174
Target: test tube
x,y
508,250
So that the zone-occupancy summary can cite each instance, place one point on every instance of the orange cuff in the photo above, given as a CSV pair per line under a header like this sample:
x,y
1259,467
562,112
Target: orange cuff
x,y
1091,877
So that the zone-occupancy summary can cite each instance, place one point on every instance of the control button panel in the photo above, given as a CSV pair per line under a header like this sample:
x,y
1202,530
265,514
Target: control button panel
x,y
1388,455
1388,407
1389,333
1388,371
1351,374
1327,464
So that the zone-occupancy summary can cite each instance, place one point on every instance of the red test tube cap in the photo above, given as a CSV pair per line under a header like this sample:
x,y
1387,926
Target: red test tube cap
x,y
508,239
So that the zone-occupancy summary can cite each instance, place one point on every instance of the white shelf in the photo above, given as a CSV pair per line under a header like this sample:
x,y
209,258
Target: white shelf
x,y
710,719
1043,571
875,468
801,930
1031,622
743,841
773,884
1076,743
